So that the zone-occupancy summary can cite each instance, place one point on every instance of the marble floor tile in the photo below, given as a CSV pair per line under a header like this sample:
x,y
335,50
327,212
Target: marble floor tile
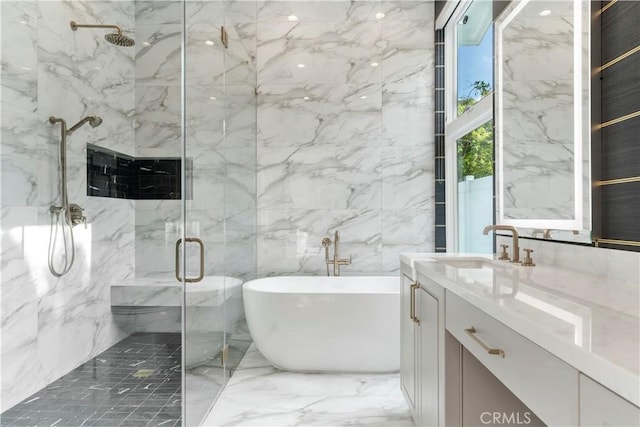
x,y
260,395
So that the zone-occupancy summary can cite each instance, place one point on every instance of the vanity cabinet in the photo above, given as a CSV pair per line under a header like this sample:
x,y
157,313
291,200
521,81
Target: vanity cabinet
x,y
544,383
408,342
422,367
599,406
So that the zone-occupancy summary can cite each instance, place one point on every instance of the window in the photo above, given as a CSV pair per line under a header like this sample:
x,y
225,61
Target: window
x,y
469,127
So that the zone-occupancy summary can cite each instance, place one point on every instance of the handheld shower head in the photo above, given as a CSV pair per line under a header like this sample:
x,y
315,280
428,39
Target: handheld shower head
x,y
94,122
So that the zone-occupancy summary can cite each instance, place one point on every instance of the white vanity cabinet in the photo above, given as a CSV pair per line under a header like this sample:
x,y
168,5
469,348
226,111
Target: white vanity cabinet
x,y
544,383
473,354
408,341
422,367
599,406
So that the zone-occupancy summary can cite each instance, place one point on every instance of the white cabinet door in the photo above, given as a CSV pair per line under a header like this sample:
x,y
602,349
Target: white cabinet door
x,y
408,339
599,406
429,367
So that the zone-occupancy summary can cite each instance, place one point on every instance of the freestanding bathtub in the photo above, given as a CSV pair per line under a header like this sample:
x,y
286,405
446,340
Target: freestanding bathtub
x,y
326,324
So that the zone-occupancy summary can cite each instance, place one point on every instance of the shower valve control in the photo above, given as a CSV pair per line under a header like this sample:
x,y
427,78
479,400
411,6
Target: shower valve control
x,y
75,215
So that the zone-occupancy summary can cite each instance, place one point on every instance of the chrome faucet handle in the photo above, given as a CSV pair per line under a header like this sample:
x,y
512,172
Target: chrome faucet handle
x,y
504,255
528,261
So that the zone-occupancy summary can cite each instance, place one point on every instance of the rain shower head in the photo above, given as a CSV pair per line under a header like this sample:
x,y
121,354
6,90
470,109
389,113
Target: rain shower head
x,y
116,38
119,39
94,122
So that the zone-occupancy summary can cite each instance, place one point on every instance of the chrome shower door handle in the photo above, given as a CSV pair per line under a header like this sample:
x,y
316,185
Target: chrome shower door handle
x,y
188,279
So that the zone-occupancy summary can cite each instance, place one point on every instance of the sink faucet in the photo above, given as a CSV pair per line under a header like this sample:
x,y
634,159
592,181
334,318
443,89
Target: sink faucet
x,y
336,261
514,232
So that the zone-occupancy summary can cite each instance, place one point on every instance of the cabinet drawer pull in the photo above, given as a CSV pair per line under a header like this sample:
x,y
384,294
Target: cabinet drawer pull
x,y
412,311
471,331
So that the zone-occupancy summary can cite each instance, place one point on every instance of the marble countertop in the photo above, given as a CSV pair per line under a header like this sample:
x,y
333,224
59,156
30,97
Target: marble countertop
x,y
590,322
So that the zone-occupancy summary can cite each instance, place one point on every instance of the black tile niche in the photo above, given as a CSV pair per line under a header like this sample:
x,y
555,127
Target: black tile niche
x,y
117,175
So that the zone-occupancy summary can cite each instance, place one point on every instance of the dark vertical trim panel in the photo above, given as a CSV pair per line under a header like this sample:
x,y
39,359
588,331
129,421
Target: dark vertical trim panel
x,y
596,119
616,148
440,194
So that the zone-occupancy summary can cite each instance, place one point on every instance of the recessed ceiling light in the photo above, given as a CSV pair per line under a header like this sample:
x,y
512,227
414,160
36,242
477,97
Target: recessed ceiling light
x,y
146,44
545,12
97,68
363,97
379,15
209,43
213,98
374,64
292,18
25,68
306,98
23,22
301,65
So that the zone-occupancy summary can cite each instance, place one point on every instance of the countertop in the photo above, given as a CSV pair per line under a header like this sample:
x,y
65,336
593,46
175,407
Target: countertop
x,y
590,322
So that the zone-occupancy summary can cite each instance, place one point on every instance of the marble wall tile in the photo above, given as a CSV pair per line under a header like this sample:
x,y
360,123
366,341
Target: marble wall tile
x,y
289,241
408,55
320,114
406,109
407,10
21,142
319,177
150,12
20,54
317,11
407,175
346,136
233,11
65,320
332,53
158,54
158,121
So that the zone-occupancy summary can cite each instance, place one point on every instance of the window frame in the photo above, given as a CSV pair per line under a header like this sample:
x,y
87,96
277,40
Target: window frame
x,y
458,126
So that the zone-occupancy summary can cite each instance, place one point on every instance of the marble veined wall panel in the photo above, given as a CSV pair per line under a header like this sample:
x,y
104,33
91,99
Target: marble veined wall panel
x,y
51,325
345,133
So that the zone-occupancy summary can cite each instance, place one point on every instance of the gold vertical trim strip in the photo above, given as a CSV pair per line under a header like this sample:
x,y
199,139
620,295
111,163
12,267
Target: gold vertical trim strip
x,y
619,181
611,3
617,242
620,58
618,120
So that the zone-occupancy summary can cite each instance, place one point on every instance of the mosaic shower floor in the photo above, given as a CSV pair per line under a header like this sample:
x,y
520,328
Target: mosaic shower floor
x,y
136,382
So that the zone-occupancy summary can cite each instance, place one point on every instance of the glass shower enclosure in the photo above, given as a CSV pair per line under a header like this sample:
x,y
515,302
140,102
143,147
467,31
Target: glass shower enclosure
x,y
218,207
165,179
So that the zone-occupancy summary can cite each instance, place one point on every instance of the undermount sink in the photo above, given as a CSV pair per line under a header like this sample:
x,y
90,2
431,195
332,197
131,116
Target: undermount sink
x,y
460,262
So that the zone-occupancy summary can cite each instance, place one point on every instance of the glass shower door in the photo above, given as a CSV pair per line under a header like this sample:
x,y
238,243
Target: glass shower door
x,y
202,250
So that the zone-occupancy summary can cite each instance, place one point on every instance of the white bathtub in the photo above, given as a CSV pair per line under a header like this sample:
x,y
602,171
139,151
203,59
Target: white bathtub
x,y
326,324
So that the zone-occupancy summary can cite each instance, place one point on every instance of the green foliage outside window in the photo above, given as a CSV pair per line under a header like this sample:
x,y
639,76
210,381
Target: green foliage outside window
x,y
475,149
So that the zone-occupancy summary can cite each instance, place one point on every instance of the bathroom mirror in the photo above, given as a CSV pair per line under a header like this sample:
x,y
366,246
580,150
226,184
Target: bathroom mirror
x,y
542,118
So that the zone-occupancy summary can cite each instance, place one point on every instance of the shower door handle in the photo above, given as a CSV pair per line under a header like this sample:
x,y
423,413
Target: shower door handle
x,y
201,244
